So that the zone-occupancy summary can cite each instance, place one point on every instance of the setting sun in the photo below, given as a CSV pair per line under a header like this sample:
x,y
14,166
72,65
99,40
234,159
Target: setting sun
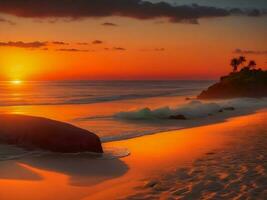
x,y
133,99
17,64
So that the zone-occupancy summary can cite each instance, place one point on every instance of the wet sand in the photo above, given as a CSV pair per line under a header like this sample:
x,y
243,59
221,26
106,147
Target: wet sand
x,y
227,160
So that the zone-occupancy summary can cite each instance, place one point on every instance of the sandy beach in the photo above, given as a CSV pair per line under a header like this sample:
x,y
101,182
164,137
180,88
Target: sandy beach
x,y
226,160
133,100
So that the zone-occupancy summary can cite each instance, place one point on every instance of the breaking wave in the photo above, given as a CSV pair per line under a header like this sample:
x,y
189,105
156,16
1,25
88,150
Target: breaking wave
x,y
193,109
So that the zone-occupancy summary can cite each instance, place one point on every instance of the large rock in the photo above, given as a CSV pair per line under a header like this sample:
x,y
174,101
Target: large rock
x,y
41,133
180,117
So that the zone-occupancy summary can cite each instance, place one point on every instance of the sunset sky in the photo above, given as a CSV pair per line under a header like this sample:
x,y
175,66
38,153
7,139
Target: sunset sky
x,y
128,39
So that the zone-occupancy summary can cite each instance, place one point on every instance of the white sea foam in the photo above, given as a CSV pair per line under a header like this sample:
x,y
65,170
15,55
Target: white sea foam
x,y
193,109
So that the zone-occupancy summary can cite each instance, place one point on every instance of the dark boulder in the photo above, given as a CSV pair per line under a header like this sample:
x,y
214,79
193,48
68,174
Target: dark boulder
x,y
229,108
40,133
180,117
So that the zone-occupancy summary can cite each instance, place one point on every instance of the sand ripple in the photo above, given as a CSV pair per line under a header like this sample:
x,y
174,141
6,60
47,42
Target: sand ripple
x,y
238,172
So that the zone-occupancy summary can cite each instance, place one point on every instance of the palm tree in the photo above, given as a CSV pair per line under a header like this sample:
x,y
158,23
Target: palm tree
x,y
242,60
235,63
252,64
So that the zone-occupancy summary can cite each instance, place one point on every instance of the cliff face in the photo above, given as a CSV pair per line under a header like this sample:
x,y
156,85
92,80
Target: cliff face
x,y
245,83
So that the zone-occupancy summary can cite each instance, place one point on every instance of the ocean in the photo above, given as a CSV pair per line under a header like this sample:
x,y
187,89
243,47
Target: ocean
x,y
87,92
112,109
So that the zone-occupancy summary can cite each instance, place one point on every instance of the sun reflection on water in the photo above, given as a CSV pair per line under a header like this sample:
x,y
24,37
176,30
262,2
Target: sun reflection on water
x,y
16,82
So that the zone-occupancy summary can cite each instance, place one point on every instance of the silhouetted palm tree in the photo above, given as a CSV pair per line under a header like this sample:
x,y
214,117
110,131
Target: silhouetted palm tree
x,y
242,60
252,64
235,63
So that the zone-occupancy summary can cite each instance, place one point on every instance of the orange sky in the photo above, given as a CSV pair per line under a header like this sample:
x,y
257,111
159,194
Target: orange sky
x,y
153,50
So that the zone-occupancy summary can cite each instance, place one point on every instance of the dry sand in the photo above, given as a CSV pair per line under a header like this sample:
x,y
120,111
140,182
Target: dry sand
x,y
227,160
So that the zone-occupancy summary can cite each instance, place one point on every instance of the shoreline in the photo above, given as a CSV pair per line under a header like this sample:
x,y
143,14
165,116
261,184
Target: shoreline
x,y
186,124
153,157
224,142
114,128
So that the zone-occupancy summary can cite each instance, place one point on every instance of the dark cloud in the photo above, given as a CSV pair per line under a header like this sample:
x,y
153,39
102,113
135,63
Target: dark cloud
x,y
82,43
115,49
21,44
119,49
137,9
74,50
3,20
109,24
240,51
254,13
60,43
97,42
247,12
44,45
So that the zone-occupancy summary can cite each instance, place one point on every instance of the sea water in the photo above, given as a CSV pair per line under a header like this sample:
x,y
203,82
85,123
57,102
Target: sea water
x,y
114,109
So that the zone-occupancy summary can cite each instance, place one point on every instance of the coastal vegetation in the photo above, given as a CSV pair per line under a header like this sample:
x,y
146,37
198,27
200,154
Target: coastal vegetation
x,y
245,80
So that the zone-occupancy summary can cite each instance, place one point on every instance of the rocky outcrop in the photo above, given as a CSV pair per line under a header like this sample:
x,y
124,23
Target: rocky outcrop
x,y
245,83
40,133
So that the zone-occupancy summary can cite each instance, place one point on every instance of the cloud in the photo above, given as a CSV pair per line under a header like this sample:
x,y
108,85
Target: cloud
x,y
115,49
60,43
73,50
254,13
109,24
21,44
138,9
119,49
97,42
240,51
82,43
247,12
3,20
